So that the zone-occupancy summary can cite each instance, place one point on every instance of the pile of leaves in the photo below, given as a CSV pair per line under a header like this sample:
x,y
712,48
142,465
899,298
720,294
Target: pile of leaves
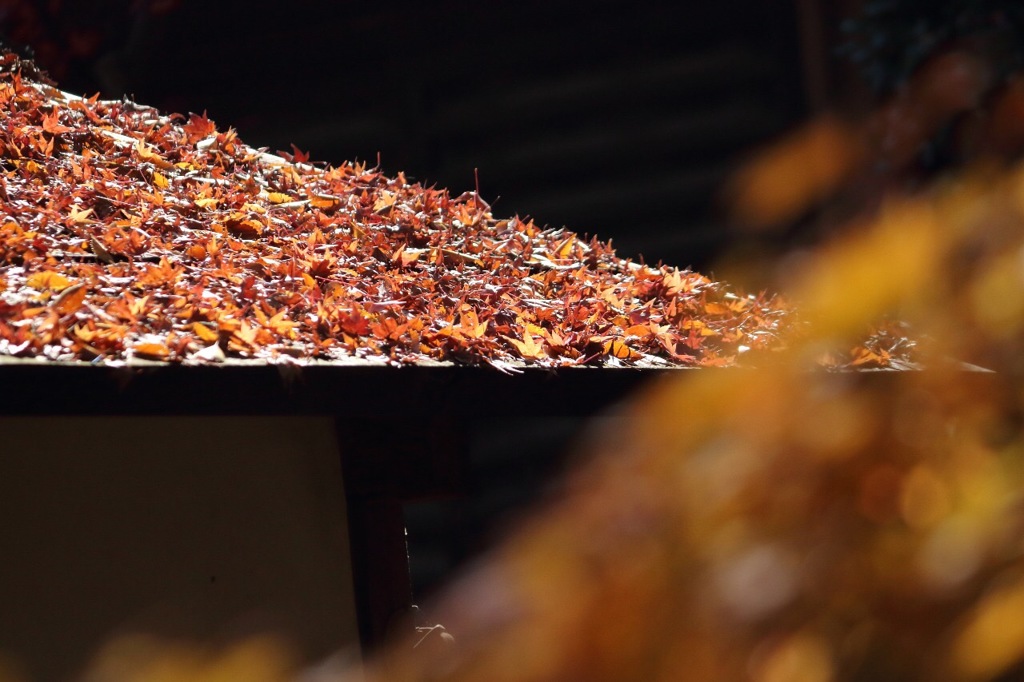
x,y
126,233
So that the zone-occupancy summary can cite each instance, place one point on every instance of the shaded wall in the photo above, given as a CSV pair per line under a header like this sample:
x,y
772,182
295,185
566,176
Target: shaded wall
x,y
203,528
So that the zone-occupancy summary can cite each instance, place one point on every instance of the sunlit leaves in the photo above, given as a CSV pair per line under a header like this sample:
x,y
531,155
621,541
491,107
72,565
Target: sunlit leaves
x,y
173,238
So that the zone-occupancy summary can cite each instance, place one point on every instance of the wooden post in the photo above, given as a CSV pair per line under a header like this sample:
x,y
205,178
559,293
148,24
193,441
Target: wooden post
x,y
380,566
386,463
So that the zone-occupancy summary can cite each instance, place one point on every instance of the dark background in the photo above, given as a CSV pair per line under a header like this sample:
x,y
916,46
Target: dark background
x,y
610,118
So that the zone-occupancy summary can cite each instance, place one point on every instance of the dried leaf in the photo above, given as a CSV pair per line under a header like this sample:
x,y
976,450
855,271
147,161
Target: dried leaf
x,y
529,349
152,351
324,202
246,228
148,155
52,125
78,215
100,251
205,333
70,299
211,353
48,280
619,349
198,127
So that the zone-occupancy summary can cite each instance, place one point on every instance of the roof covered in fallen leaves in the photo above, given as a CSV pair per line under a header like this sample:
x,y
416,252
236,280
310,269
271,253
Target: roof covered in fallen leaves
x,y
128,233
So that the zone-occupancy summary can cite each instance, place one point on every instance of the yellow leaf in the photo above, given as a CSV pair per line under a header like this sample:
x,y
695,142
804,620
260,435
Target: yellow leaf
x,y
471,325
384,202
565,249
528,348
78,215
152,351
555,340
609,296
324,202
278,197
100,251
159,180
147,154
261,316
49,280
86,335
281,324
205,333
619,349
408,257
246,332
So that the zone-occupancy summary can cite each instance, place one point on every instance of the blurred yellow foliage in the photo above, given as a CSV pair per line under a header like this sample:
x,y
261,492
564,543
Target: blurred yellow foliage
x,y
140,658
993,637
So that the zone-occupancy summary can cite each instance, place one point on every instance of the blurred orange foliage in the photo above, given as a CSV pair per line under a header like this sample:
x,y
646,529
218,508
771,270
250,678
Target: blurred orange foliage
x,y
787,524
777,186
784,524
